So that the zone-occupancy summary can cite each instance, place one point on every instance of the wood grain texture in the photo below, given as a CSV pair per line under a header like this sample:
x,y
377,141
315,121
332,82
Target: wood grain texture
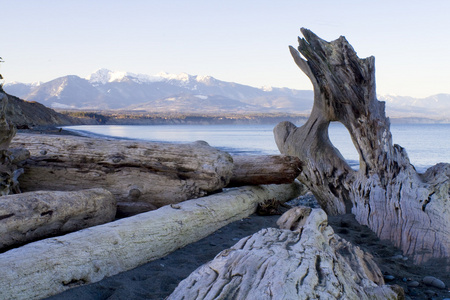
x,y
50,266
264,169
36,215
134,171
309,263
387,194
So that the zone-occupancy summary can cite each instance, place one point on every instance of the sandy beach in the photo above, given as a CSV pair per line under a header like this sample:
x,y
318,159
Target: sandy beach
x,y
157,279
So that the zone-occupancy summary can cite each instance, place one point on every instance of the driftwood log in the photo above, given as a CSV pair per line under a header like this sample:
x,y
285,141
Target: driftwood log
x,y
387,194
155,173
264,169
50,266
143,175
308,263
36,215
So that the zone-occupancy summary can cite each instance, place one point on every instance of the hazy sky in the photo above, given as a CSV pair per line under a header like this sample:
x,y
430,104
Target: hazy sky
x,y
234,40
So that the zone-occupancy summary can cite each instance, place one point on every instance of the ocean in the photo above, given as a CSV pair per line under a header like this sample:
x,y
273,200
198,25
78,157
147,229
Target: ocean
x,y
426,144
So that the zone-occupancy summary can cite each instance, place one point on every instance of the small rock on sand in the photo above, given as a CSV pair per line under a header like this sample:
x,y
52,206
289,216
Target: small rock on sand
x,y
433,281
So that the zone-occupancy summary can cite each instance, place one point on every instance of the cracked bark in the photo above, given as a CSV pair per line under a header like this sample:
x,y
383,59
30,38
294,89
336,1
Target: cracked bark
x,y
310,262
386,193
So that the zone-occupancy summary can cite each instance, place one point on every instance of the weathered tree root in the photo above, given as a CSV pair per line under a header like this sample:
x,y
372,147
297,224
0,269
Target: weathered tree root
x,y
386,193
311,263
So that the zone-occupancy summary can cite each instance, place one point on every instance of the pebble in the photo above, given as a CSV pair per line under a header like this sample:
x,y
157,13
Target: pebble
x,y
433,281
389,277
413,283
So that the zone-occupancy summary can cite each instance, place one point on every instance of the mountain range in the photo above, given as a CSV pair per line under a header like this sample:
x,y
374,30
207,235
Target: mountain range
x,y
184,93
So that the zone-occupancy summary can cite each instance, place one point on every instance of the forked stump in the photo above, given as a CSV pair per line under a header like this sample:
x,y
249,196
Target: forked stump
x,y
386,193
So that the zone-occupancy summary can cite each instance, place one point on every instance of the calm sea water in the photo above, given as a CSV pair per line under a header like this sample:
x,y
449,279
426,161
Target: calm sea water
x,y
426,144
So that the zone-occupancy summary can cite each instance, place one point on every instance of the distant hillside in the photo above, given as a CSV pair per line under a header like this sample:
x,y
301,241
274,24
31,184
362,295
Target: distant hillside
x,y
181,93
25,113
190,94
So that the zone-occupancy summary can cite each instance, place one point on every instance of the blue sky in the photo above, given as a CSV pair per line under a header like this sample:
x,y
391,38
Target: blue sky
x,y
235,40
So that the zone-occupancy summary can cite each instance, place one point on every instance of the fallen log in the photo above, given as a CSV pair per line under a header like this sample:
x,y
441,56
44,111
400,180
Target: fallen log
x,y
386,193
144,175
36,215
134,171
50,266
264,169
308,263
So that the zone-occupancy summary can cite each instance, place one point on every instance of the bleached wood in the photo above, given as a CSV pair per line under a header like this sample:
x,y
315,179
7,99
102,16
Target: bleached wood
x,y
386,193
144,175
134,171
50,266
313,263
36,215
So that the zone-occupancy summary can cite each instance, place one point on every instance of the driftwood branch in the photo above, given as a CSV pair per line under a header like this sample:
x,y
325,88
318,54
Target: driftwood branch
x,y
50,266
386,193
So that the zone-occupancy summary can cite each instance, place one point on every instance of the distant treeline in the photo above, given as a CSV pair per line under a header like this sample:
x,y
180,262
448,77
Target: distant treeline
x,y
146,118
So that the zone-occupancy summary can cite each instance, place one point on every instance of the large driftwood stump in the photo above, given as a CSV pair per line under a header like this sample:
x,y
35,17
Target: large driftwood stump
x,y
309,263
50,266
36,215
386,193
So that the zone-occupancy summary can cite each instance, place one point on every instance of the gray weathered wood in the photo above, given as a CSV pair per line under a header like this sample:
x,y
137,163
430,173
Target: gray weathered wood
x,y
264,169
134,171
309,263
50,266
386,193
144,175
36,215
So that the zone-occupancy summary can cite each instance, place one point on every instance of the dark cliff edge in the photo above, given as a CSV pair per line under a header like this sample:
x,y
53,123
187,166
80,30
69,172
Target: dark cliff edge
x,y
25,114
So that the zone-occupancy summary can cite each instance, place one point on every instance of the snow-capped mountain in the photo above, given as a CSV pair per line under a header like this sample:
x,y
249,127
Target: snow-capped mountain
x,y
184,93
106,89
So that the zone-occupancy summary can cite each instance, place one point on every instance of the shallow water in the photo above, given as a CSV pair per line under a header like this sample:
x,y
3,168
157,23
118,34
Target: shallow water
x,y
426,144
